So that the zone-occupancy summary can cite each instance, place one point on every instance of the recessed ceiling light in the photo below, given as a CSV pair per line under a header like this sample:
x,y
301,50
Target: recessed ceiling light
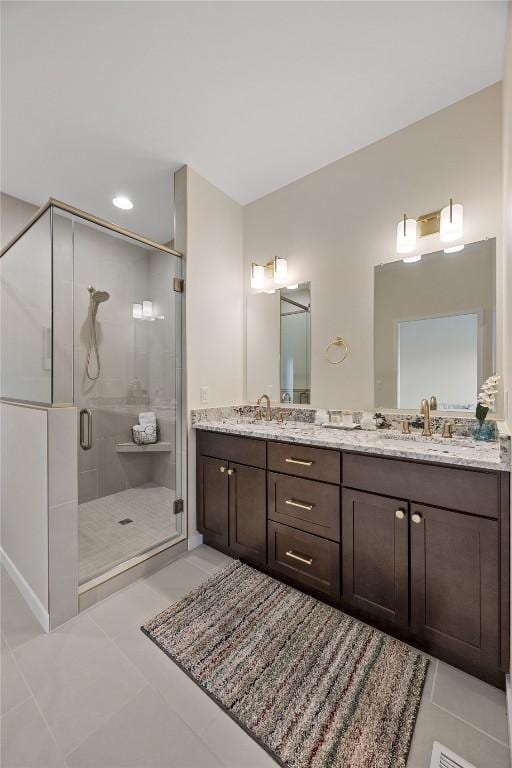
x,y
122,202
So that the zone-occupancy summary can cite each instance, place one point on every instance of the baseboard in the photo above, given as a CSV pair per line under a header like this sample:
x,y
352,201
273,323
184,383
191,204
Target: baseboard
x,y
508,683
195,541
27,592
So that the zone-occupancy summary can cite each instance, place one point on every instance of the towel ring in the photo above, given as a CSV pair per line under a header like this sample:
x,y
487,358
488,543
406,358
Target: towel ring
x,y
339,341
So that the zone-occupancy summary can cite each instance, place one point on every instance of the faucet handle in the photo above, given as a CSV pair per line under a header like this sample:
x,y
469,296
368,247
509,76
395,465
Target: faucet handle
x,y
447,429
406,427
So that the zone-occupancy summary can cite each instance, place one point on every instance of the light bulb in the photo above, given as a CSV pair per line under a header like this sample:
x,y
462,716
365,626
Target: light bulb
x,y
257,276
280,270
137,311
454,249
452,222
406,235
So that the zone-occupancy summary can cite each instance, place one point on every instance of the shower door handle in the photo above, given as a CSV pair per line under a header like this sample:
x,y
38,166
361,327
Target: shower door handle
x,y
86,416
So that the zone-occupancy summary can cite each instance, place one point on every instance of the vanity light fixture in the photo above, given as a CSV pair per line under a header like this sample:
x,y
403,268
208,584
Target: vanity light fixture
x,y
269,275
137,311
406,235
449,222
411,259
452,222
454,248
122,202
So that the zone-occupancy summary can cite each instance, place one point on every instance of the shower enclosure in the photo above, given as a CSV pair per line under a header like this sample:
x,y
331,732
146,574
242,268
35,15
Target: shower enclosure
x,y
91,317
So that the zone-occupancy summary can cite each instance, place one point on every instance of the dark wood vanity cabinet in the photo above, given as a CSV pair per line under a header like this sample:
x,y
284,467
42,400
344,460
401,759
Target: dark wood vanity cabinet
x,y
418,549
455,585
232,501
375,557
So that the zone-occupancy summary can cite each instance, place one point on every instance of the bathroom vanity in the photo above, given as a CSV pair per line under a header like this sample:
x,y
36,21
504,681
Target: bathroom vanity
x,y
413,539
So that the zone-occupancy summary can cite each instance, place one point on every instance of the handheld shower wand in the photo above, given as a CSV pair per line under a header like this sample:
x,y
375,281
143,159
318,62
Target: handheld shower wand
x,y
95,299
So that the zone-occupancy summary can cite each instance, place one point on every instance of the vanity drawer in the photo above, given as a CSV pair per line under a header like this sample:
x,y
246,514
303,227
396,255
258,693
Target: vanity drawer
x,y
458,489
303,461
309,560
305,504
243,450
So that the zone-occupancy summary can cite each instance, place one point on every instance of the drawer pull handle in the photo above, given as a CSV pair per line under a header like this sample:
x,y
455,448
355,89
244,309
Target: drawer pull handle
x,y
299,504
222,469
299,461
300,558
416,518
231,472
400,514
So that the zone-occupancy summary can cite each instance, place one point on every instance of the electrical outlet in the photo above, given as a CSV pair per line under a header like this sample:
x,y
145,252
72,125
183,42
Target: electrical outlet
x,y
203,395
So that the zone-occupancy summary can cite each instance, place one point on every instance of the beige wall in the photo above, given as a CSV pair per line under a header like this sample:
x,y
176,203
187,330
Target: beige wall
x,y
209,232
14,214
336,224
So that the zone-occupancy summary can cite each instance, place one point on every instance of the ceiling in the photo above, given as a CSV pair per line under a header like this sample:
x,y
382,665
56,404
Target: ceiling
x,y
106,98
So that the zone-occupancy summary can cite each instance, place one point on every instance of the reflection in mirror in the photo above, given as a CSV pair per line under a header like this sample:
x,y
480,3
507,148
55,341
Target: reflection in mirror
x,y
435,328
278,344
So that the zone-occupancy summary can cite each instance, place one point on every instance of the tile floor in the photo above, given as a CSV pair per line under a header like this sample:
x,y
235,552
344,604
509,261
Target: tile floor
x,y
96,693
103,542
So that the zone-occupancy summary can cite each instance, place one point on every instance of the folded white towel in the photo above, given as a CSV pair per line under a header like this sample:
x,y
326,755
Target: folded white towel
x,y
147,418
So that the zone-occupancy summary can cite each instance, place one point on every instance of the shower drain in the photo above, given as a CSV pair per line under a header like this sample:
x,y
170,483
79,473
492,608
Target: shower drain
x,y
125,521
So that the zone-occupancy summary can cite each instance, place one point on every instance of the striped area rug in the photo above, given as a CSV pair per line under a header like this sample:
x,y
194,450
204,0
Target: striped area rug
x,y
314,687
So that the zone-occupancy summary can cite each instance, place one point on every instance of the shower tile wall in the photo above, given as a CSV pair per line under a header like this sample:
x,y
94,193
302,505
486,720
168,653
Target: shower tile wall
x,y
137,365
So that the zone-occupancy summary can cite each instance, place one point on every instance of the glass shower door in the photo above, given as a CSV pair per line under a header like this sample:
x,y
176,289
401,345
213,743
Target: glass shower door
x,y
127,347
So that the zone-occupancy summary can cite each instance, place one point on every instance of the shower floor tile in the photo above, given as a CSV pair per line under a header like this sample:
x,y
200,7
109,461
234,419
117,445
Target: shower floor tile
x,y
103,542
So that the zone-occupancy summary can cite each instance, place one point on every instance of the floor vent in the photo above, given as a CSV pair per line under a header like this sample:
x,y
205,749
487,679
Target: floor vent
x,y
442,757
125,521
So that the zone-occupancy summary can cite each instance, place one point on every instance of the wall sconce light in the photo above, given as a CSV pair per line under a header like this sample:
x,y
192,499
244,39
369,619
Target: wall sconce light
x,y
137,311
406,235
452,222
147,309
257,276
449,222
280,270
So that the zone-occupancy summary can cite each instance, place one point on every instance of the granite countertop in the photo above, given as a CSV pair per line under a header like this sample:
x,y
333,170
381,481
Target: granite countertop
x,y
459,451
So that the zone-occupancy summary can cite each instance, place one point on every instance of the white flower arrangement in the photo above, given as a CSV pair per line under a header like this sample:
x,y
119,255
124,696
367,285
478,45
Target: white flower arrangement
x,y
486,397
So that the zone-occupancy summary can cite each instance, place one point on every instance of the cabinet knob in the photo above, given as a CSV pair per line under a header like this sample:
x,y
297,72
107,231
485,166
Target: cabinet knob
x,y
231,472
400,514
223,469
416,518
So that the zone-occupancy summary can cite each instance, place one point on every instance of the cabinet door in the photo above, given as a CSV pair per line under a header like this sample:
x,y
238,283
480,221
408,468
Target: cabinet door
x,y
212,500
375,566
454,585
248,513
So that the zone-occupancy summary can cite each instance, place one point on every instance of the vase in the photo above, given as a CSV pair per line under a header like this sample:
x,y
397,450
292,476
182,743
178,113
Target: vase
x,y
483,431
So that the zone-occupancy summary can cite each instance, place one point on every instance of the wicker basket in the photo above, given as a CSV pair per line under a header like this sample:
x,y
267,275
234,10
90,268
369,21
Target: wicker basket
x,y
141,438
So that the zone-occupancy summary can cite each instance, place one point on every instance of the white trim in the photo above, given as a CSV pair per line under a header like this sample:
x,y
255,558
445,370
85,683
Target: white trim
x,y
508,684
195,541
27,592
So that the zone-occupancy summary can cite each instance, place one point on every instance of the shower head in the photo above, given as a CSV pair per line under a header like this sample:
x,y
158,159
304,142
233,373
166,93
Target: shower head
x,y
97,297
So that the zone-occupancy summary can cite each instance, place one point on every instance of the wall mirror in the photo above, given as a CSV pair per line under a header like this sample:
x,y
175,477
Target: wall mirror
x,y
434,332
278,345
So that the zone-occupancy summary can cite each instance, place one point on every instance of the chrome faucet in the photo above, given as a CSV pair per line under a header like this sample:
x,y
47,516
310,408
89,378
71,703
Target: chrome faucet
x,y
425,412
268,412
